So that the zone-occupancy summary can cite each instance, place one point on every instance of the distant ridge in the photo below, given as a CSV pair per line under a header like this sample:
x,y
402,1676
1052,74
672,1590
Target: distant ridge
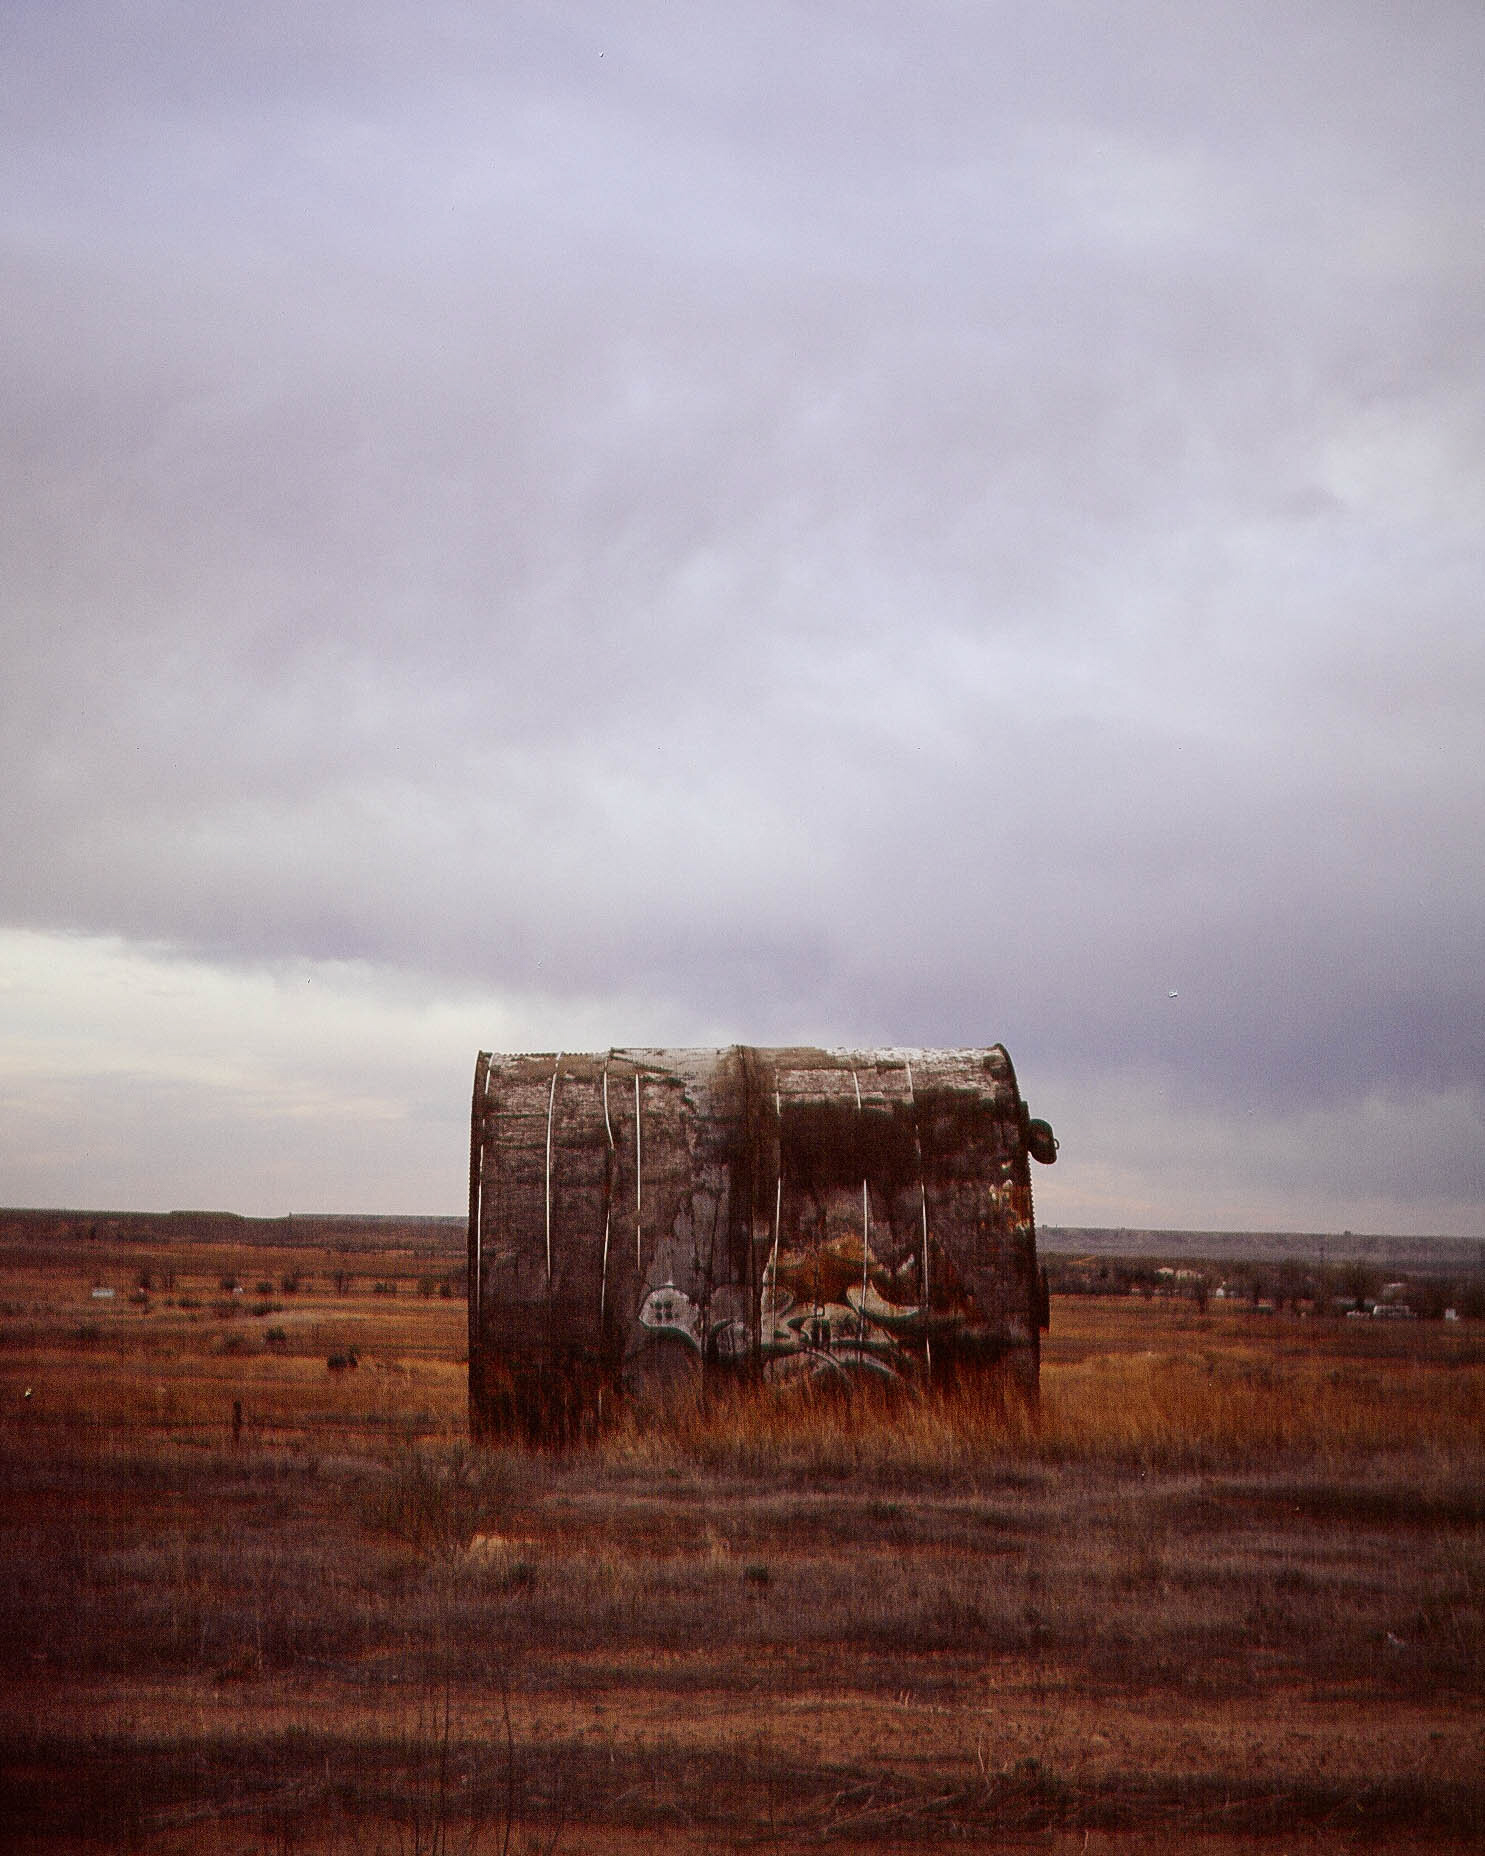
x,y
1265,1246
321,1230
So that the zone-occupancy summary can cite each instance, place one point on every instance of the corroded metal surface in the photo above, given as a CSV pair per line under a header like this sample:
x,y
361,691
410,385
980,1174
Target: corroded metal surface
x,y
642,1219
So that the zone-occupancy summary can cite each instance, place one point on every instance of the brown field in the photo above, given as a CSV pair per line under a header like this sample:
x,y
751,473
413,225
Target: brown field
x,y
1226,1593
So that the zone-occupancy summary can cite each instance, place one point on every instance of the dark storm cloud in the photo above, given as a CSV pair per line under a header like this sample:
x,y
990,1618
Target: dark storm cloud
x,y
838,525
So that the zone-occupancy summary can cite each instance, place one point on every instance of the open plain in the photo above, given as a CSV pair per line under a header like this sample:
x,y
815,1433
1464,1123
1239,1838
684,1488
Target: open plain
x,y
1225,1591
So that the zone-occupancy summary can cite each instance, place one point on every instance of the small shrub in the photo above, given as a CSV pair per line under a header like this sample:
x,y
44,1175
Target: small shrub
x,y
438,1500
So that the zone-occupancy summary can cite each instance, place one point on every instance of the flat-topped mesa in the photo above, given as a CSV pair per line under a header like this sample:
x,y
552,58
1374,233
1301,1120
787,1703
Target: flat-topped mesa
x,y
643,1220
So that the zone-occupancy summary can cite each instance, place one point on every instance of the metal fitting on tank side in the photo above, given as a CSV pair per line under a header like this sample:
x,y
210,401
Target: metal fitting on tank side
x,y
1041,1142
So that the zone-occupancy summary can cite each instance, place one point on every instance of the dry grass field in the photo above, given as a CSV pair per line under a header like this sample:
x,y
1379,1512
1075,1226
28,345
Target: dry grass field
x,y
1226,1592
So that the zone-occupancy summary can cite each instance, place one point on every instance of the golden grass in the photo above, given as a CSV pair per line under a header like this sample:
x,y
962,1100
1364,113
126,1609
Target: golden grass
x,y
1195,1412
174,1364
1231,1394
930,1614
1125,1381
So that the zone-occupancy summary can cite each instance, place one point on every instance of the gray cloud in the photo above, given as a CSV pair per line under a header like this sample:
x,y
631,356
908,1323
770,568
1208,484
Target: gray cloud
x,y
830,525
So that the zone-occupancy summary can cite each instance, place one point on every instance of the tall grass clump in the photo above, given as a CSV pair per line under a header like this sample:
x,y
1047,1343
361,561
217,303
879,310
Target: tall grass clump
x,y
1162,1411
897,1438
437,1499
1213,1411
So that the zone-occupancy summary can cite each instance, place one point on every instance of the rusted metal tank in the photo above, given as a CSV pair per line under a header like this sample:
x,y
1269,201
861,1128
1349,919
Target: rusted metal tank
x,y
642,1220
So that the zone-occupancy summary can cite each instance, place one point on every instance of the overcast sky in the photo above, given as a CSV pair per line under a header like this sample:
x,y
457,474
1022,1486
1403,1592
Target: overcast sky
x,y
548,526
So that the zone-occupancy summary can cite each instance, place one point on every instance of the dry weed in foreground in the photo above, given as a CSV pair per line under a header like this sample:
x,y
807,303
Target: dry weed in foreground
x,y
1212,1411
1215,1411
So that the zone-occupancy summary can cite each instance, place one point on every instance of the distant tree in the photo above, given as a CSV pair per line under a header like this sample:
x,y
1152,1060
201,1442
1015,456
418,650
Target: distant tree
x,y
1361,1281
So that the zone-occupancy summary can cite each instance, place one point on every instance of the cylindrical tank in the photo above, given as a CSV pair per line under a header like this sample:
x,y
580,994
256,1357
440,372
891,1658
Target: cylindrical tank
x,y
641,1220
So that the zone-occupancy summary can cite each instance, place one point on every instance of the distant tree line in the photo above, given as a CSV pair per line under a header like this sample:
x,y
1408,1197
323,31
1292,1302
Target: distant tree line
x,y
1309,1288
